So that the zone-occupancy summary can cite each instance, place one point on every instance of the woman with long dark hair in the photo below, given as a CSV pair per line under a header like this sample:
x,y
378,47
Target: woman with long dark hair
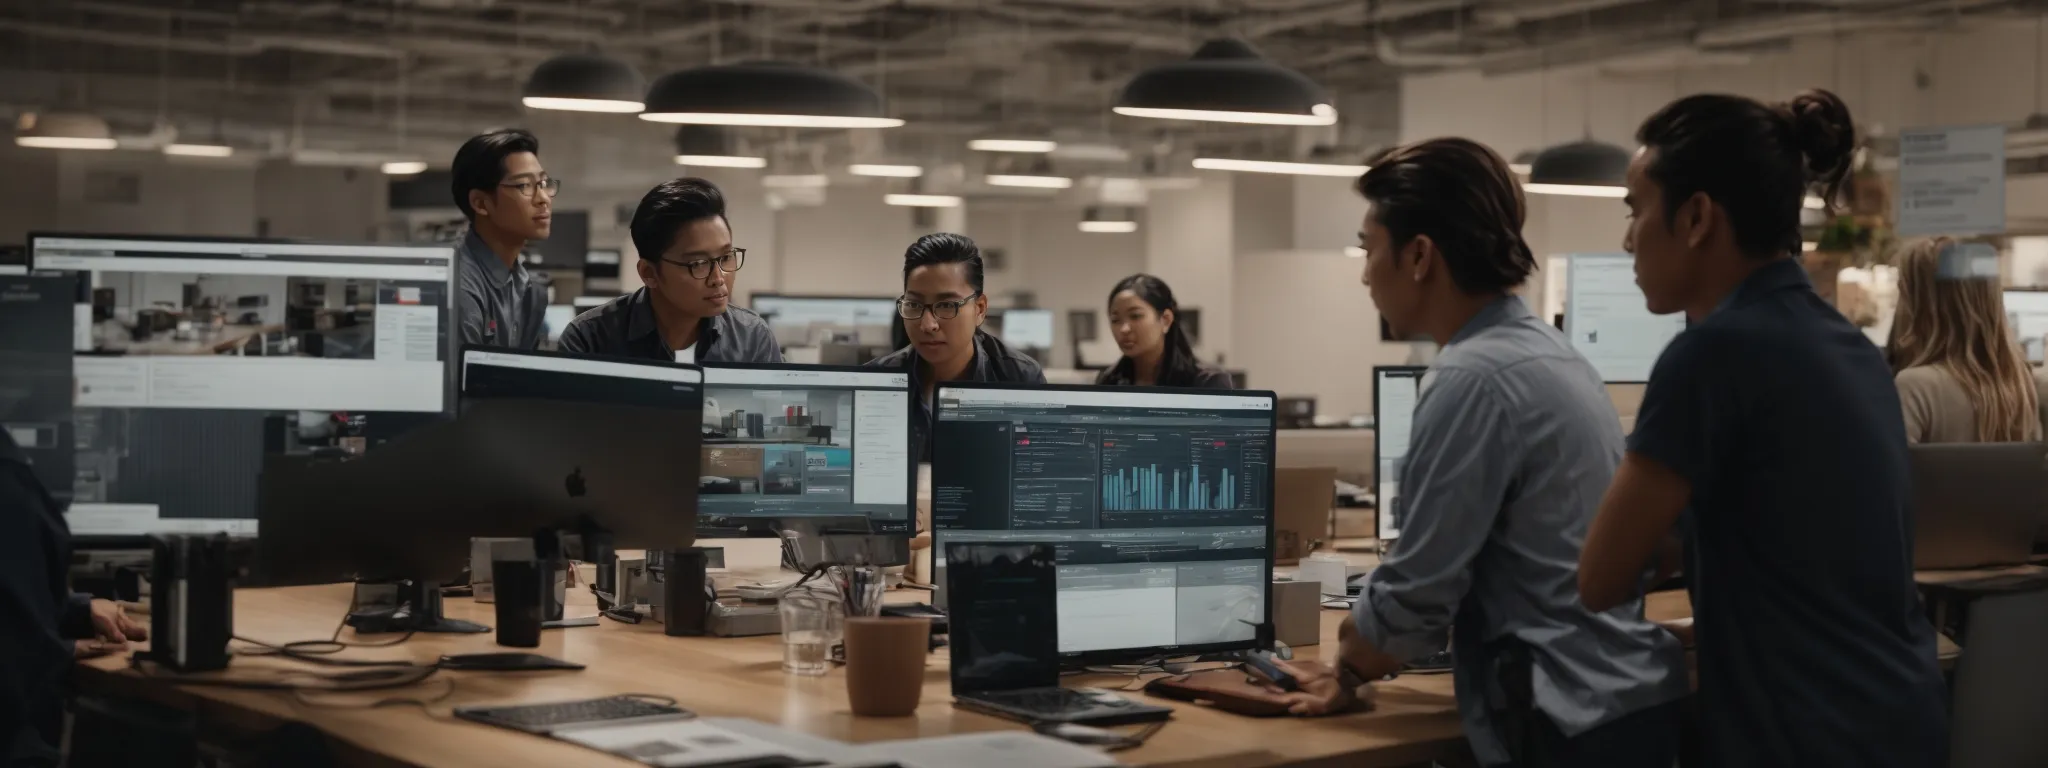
x,y
1144,318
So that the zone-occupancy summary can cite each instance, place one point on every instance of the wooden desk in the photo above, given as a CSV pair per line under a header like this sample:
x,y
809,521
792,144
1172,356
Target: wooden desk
x,y
1416,719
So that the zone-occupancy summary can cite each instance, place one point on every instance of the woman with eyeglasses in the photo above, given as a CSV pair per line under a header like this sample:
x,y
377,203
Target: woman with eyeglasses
x,y
943,308
684,311
1145,319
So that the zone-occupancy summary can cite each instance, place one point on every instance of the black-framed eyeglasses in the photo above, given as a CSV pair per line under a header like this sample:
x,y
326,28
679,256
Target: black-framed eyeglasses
x,y
728,263
944,310
527,188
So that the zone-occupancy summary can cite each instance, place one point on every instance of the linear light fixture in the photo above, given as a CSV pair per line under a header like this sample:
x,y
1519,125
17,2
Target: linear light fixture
x,y
1354,252
772,121
404,167
1109,227
64,130
64,142
722,161
1575,190
608,106
1320,114
1030,146
1021,180
884,170
923,201
199,150
1273,166
796,181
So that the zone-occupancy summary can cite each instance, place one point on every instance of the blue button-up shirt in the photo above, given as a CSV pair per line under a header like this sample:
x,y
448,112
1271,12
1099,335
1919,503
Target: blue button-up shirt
x,y
1513,444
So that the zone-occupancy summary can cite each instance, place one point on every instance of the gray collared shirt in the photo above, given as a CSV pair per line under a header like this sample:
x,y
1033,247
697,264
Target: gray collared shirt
x,y
498,307
625,327
1513,444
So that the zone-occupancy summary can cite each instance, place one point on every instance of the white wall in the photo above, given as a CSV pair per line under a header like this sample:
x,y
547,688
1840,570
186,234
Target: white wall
x,y
1065,268
1190,244
1307,326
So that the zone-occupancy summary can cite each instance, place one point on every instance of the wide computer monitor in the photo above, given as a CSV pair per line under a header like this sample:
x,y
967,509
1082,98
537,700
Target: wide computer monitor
x,y
806,450
2026,311
1025,328
1607,319
197,358
491,373
801,321
36,314
1395,391
1158,503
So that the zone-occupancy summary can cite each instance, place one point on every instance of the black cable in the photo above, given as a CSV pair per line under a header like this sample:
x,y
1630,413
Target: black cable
x,y
303,650
289,679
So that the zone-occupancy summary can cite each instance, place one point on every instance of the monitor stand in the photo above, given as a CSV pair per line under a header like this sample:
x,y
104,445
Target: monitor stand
x,y
419,610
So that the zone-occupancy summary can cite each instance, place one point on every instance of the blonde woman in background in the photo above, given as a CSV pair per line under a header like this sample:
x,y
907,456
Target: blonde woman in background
x,y
1961,376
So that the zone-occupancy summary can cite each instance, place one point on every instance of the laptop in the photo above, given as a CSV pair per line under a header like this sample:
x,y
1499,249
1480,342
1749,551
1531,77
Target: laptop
x,y
1977,504
1005,638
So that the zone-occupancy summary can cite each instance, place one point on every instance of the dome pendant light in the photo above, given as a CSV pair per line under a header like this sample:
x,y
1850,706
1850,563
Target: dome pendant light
x,y
1227,81
765,93
64,130
707,146
1582,168
584,82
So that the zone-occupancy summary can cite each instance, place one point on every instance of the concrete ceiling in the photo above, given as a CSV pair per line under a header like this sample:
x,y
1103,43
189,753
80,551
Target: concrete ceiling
x,y
281,75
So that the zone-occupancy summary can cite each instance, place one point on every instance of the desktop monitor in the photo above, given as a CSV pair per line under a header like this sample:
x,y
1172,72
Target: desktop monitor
x,y
196,359
1395,391
557,319
2026,311
1158,504
1608,320
1025,328
806,450
803,321
491,373
36,336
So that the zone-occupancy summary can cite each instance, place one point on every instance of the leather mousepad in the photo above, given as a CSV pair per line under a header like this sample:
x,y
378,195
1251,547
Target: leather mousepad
x,y
1230,690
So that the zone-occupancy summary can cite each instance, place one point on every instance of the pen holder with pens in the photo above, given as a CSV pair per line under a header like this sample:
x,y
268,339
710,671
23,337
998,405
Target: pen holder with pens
x,y
860,588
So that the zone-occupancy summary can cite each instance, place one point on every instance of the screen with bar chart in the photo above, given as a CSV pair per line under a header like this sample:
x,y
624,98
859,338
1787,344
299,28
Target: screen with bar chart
x,y
1158,505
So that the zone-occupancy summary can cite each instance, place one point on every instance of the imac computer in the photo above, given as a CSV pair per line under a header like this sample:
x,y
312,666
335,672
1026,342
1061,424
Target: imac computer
x,y
856,325
1024,328
1158,505
197,359
1607,319
1395,391
490,373
809,454
2026,310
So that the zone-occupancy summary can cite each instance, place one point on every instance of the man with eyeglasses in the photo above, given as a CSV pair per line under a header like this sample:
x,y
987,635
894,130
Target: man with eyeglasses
x,y
684,311
943,307
508,197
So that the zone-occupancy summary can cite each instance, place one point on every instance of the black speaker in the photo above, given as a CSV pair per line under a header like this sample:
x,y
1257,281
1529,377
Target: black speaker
x,y
192,602
686,609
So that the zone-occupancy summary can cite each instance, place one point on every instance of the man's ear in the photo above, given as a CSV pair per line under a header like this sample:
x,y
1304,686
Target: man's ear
x,y
1422,257
980,310
479,202
646,267
1695,219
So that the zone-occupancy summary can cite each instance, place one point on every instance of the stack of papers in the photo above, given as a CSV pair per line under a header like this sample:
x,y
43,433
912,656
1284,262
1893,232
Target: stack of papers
x,y
716,742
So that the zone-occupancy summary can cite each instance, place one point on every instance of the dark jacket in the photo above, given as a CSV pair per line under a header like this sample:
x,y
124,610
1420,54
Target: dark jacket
x,y
625,327
1205,376
40,613
993,361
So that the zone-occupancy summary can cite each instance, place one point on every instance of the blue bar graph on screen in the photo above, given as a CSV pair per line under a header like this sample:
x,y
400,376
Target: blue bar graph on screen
x,y
1146,488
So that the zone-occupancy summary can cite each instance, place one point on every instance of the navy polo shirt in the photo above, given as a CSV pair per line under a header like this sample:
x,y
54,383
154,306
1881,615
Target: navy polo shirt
x,y
1813,647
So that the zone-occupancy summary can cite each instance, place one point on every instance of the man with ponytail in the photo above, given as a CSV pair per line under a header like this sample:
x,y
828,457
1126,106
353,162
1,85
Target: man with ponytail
x,y
1512,442
1770,439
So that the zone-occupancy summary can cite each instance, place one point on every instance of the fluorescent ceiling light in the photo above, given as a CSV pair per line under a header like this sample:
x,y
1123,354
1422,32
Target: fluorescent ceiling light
x,y
796,181
1270,166
1036,182
1012,145
64,142
1814,202
609,106
1521,168
890,171
1354,252
1109,227
722,161
404,167
771,121
1575,190
923,201
199,150
1321,114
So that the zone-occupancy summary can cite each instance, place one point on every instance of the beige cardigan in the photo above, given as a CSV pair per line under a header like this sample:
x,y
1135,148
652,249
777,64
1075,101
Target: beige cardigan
x,y
1938,410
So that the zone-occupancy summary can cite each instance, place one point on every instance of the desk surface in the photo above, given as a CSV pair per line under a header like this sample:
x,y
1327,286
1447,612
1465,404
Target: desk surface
x,y
1416,719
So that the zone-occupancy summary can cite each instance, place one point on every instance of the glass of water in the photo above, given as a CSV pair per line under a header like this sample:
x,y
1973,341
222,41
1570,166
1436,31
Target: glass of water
x,y
812,623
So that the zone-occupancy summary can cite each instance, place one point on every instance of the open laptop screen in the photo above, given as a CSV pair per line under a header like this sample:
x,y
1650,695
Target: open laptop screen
x,y
1004,620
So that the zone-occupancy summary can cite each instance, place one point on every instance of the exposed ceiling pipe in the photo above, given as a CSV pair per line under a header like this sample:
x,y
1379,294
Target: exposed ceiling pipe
x,y
426,21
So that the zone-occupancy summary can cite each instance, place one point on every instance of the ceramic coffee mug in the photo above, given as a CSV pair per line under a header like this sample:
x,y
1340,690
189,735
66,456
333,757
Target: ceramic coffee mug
x,y
885,659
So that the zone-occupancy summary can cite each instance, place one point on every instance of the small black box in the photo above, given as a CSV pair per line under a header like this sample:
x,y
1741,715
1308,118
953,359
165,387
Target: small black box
x,y
192,600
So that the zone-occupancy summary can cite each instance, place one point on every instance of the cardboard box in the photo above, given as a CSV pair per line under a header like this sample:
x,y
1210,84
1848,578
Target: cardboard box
x,y
1302,500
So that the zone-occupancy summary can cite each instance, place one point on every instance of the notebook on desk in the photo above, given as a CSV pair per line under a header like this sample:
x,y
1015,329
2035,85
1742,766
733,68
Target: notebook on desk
x,y
1977,504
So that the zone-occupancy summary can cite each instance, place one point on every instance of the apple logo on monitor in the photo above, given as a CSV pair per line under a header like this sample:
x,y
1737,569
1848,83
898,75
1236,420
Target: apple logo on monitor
x,y
574,483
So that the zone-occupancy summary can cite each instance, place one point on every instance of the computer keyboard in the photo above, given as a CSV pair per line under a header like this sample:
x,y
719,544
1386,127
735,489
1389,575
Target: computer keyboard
x,y
546,717
1049,700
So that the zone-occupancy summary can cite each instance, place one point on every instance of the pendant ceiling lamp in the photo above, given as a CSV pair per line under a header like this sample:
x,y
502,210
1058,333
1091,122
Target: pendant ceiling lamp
x,y
765,93
584,82
1109,221
1227,81
64,130
1583,168
709,146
